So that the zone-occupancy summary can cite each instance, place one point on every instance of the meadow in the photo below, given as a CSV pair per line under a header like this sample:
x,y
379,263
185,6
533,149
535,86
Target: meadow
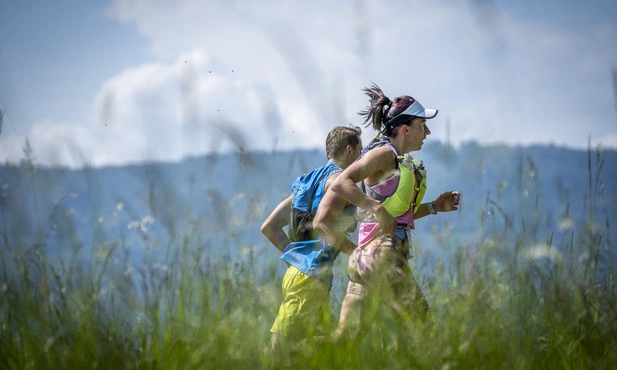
x,y
512,296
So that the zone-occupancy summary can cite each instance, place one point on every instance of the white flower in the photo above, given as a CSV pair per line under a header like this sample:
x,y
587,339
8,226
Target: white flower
x,y
542,251
565,223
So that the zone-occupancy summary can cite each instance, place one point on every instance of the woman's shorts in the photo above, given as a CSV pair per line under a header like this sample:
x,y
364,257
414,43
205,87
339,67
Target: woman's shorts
x,y
381,269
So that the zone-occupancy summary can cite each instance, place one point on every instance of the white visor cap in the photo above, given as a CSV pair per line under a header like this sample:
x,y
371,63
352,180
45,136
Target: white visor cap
x,y
417,110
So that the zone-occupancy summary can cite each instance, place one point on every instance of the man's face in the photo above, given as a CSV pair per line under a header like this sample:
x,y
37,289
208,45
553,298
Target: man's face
x,y
353,153
357,151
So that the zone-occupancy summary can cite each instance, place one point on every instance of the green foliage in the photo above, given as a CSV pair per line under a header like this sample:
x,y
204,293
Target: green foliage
x,y
513,298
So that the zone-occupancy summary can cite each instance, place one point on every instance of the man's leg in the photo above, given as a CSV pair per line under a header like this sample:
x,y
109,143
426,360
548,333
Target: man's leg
x,y
301,313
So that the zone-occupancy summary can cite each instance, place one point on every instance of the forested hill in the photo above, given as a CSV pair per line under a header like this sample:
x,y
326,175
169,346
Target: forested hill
x,y
546,193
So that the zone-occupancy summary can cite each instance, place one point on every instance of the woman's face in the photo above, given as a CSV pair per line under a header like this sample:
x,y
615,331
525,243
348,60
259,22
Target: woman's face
x,y
418,131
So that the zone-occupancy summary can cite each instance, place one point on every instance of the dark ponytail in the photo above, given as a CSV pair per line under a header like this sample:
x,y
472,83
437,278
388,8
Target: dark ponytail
x,y
378,108
381,109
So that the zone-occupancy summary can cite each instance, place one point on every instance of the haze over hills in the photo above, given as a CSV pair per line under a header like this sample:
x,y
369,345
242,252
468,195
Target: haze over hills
x,y
546,193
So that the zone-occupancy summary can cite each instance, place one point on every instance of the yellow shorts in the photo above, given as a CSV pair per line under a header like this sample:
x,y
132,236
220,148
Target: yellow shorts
x,y
305,308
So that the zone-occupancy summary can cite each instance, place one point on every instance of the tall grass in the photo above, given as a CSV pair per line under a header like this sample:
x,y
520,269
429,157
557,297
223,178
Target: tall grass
x,y
511,299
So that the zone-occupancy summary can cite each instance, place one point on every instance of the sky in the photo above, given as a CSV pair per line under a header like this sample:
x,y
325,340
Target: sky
x,y
127,81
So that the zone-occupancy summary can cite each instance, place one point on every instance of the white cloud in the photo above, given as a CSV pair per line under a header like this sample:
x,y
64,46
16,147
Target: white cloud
x,y
501,77
291,70
164,111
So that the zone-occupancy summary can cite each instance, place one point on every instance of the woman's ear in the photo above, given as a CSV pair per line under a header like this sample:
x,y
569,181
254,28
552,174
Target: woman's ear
x,y
349,149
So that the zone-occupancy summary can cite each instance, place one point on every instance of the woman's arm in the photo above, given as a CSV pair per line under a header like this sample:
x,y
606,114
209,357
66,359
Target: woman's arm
x,y
272,227
325,224
445,202
371,166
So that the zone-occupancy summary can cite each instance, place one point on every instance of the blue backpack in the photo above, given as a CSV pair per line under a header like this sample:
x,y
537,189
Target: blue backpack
x,y
307,191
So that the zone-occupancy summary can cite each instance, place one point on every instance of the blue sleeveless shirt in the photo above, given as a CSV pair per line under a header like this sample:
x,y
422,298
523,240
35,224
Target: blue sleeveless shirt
x,y
315,257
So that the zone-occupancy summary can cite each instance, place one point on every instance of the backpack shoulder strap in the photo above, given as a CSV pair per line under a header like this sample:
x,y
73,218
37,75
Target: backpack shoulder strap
x,y
327,172
332,170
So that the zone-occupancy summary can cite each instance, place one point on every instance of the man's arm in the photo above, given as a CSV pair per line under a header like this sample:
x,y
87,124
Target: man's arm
x,y
272,227
329,209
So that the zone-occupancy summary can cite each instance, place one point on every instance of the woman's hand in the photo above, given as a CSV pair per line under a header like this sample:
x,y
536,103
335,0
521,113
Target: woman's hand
x,y
447,201
387,222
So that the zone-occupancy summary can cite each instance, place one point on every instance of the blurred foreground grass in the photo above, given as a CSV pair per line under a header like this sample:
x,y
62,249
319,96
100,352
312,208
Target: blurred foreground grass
x,y
196,315
192,313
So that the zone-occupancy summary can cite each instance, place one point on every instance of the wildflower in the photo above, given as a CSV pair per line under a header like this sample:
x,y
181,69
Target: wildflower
x,y
565,223
141,224
542,251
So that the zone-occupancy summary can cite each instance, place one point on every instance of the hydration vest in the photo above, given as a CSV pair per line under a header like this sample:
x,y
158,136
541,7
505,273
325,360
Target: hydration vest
x,y
409,191
403,198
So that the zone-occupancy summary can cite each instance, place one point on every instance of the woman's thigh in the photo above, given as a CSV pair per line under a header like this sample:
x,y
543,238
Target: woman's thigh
x,y
381,269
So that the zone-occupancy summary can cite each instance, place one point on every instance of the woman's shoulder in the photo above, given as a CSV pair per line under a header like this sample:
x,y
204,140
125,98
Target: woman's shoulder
x,y
382,153
381,162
